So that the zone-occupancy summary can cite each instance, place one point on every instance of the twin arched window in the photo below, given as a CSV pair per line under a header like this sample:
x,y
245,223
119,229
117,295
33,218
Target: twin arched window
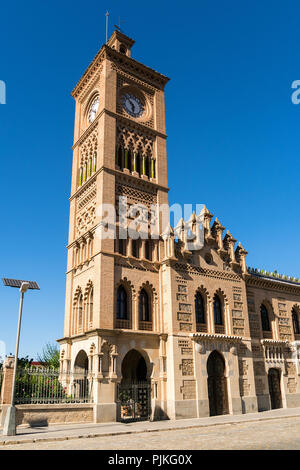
x,y
265,321
122,310
295,320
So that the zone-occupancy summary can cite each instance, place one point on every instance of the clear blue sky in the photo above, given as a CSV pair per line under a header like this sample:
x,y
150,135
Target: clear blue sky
x,y
234,134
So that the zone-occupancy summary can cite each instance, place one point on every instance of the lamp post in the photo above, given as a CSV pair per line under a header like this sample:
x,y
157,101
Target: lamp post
x,y
9,428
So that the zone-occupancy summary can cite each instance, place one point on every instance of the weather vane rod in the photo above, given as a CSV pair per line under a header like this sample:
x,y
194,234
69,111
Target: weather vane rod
x,y
118,27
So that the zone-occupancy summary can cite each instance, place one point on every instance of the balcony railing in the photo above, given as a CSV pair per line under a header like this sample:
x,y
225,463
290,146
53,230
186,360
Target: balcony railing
x,y
122,324
220,329
201,327
267,334
145,325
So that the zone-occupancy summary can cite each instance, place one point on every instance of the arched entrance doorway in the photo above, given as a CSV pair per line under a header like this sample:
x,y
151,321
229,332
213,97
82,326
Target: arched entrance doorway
x,y
134,392
274,388
80,387
217,386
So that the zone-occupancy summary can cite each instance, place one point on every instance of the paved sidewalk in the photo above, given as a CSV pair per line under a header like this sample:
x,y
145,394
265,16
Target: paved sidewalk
x,y
61,432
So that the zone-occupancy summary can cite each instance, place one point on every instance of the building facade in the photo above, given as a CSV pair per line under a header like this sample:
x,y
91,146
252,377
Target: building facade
x,y
162,331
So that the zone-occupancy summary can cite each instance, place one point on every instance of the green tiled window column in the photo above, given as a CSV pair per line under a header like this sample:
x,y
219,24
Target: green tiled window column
x,y
134,162
144,165
80,176
152,168
126,159
95,161
90,167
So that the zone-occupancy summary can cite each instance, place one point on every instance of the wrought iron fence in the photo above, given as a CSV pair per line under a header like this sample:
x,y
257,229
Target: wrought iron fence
x,y
48,385
135,401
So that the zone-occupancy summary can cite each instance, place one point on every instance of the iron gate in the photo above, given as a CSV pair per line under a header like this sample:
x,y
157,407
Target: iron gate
x,y
135,401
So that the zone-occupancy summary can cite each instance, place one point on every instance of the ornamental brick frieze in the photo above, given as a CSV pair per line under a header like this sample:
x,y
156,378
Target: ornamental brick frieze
x,y
273,285
86,219
210,341
87,195
135,69
187,268
135,194
135,264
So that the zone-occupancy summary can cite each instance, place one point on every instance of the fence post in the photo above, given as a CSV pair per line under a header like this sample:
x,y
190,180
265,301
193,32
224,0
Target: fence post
x,y
6,389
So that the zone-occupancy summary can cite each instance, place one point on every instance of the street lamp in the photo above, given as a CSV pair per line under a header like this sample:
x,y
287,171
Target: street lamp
x,y
9,428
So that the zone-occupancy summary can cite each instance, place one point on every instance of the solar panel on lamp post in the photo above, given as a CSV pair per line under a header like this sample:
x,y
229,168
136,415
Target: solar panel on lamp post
x,y
9,428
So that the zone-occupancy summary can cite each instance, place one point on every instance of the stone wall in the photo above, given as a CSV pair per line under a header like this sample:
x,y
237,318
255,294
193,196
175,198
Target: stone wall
x,y
42,415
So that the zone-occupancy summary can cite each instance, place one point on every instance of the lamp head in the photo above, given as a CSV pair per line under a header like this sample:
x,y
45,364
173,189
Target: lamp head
x,y
24,287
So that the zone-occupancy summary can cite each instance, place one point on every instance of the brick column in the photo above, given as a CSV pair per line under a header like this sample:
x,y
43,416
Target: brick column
x,y
8,369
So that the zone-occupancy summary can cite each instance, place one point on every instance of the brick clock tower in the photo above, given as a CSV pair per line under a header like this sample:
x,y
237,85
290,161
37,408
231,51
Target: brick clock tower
x,y
114,325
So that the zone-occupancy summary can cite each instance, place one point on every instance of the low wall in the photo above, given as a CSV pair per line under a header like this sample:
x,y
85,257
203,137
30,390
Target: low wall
x,y
42,415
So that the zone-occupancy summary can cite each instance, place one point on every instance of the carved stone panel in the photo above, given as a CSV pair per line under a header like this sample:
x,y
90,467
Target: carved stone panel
x,y
187,367
188,390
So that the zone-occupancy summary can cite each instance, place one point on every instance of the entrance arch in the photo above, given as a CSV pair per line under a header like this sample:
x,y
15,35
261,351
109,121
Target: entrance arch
x,y
80,387
274,388
217,386
134,367
134,391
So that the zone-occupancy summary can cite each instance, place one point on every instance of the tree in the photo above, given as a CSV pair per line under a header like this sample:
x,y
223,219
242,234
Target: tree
x,y
50,355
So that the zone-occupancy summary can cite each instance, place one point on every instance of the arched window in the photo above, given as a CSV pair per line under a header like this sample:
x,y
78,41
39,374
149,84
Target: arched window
x,y
144,307
122,304
264,315
218,311
295,320
199,308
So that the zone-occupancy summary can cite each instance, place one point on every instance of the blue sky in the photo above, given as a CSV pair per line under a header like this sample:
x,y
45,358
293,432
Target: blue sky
x,y
233,142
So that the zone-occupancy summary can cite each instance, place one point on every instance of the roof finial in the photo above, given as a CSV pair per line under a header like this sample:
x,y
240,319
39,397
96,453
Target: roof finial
x,y
119,26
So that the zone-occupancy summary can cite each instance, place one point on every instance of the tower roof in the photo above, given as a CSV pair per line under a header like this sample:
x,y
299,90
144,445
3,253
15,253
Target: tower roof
x,y
114,49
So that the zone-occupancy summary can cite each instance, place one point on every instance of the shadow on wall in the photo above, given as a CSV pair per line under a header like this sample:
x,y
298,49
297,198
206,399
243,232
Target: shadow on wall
x,y
159,414
38,422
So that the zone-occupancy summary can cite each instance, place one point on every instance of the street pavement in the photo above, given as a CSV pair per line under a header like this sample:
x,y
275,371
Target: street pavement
x,y
276,429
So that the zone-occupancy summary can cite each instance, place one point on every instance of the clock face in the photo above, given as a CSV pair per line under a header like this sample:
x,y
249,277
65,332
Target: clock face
x,y
93,109
132,105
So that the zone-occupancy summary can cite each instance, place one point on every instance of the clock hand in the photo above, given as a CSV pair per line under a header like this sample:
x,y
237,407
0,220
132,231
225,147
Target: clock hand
x,y
132,106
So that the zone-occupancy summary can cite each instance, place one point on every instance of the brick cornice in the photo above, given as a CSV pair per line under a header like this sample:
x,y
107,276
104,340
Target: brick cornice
x,y
128,63
272,284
